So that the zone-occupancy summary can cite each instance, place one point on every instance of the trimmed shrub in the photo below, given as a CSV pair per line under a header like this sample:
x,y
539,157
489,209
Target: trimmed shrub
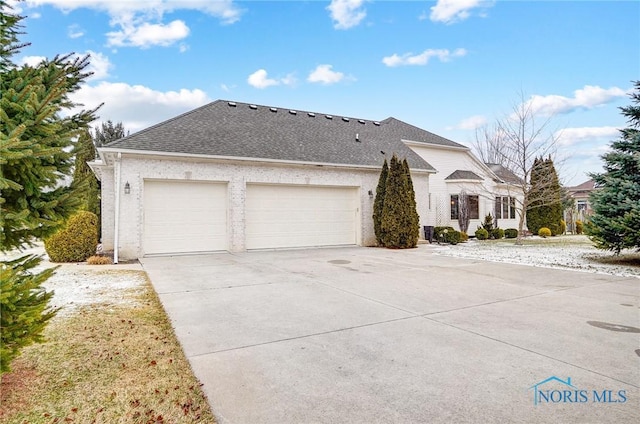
x,y
579,227
563,226
482,234
544,232
76,241
511,233
463,236
497,233
452,237
438,232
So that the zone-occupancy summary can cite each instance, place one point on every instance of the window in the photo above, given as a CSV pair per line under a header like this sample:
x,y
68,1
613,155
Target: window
x,y
472,202
454,206
474,207
505,207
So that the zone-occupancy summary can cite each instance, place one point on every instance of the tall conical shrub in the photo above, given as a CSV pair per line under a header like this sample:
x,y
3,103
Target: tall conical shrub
x,y
399,226
378,203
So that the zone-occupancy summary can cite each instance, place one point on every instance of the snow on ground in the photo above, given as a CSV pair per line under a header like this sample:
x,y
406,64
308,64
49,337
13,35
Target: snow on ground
x,y
569,252
78,285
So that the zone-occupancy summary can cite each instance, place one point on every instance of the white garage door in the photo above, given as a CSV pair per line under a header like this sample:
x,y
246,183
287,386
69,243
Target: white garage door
x,y
183,217
279,216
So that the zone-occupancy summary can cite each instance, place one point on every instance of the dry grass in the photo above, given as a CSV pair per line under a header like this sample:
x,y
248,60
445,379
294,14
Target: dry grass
x,y
105,364
99,260
629,259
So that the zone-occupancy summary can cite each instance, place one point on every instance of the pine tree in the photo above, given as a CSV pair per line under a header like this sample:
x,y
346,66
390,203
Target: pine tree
x,y
84,181
398,226
535,218
36,140
108,132
379,202
615,222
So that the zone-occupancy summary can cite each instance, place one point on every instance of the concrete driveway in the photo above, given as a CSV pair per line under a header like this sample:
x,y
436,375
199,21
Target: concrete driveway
x,y
365,335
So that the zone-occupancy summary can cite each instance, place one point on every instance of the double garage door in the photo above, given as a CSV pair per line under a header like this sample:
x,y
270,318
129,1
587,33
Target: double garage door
x,y
189,217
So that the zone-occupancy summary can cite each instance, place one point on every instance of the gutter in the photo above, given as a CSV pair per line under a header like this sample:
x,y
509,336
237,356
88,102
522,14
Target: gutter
x,y
116,230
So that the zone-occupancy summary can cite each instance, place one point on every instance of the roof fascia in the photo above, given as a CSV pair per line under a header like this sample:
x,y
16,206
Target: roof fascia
x,y
434,146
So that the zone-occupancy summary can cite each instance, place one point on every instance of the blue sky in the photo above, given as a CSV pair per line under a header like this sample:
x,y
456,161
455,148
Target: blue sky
x,y
447,66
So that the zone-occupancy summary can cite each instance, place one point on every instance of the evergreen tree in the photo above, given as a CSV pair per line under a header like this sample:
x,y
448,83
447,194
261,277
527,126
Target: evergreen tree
x,y
84,180
108,132
379,202
545,207
398,215
36,140
415,218
615,223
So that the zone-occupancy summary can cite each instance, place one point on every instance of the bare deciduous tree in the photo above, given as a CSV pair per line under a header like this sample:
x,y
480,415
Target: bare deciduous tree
x,y
464,212
515,142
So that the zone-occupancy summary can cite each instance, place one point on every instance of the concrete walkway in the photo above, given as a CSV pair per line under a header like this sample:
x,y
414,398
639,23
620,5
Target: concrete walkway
x,y
365,335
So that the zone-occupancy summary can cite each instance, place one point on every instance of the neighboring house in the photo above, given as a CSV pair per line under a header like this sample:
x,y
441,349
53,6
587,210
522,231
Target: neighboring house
x,y
235,176
581,208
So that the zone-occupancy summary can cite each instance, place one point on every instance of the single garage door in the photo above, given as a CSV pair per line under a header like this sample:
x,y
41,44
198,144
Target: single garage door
x,y
280,216
184,217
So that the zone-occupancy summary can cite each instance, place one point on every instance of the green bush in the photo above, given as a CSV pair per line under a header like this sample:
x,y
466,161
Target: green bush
x,y
482,234
511,233
452,237
76,241
579,227
497,233
438,232
544,232
488,223
463,236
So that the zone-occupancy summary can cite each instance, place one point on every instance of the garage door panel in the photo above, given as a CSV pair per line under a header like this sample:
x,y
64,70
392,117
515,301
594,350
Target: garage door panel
x,y
280,216
182,217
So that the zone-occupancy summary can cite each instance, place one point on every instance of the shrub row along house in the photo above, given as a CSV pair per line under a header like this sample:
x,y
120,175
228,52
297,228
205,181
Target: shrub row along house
x,y
234,176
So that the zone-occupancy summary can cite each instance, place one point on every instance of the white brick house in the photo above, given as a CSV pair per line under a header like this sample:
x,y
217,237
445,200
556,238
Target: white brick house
x,y
234,176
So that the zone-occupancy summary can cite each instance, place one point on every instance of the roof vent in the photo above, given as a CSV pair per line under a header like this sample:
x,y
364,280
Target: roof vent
x,y
232,104
293,112
273,109
311,114
361,121
376,123
328,116
254,107
357,137
345,119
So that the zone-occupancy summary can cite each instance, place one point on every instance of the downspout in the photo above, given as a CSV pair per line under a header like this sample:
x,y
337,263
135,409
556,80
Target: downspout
x,y
116,230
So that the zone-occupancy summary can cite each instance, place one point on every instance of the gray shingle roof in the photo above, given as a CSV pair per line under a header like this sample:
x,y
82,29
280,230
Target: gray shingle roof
x,y
505,174
460,174
235,129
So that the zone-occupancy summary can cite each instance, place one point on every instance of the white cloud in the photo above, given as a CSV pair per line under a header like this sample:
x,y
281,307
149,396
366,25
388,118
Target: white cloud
x,y
137,106
346,13
472,122
31,60
572,136
99,65
587,97
75,31
423,58
450,11
260,79
324,75
146,34
139,23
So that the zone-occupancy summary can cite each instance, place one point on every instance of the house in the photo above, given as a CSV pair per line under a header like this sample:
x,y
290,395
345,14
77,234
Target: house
x,y
232,176
580,194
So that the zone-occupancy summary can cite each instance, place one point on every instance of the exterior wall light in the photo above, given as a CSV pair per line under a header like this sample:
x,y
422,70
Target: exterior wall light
x,y
370,194
127,188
